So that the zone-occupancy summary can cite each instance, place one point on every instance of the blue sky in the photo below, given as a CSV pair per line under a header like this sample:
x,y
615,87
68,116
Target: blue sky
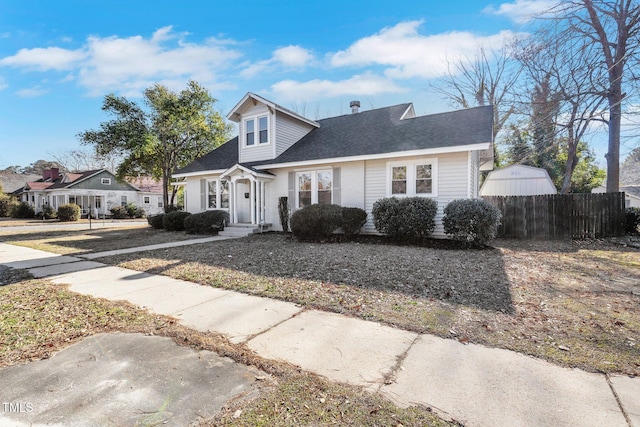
x,y
59,59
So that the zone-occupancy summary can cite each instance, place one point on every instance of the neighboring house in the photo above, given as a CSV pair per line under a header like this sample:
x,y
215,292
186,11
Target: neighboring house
x,y
349,160
96,191
632,194
518,180
12,182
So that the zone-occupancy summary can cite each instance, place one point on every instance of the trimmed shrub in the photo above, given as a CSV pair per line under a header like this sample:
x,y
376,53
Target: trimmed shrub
x,y
119,212
174,221
156,221
23,210
7,204
48,212
352,220
316,222
139,213
471,220
409,219
632,220
134,211
207,222
69,212
172,208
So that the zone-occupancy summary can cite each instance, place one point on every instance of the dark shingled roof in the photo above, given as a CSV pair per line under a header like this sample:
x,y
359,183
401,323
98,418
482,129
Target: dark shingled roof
x,y
381,131
222,157
378,131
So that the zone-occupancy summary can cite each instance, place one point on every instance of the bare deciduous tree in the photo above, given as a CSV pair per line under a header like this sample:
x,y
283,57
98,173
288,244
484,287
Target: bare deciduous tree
x,y
564,72
612,27
487,79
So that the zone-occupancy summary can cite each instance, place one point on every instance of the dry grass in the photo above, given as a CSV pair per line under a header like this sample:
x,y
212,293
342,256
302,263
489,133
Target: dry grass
x,y
76,242
38,319
573,303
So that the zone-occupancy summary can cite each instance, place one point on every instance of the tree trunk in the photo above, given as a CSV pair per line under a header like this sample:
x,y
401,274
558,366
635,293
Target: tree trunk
x,y
572,161
613,155
165,189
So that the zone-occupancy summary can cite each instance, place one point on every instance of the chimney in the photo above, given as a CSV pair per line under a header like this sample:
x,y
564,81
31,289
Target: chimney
x,y
51,174
354,106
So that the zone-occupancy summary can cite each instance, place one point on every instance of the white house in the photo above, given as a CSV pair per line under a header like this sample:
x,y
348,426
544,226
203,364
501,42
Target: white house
x,y
632,194
518,180
349,160
95,190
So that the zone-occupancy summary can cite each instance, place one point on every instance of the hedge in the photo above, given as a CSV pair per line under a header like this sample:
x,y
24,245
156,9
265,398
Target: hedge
x,y
174,221
471,220
208,222
409,219
69,212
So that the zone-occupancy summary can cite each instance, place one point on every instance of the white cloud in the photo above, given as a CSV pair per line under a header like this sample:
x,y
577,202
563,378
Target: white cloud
x,y
522,11
129,65
44,59
366,84
33,92
293,56
3,83
289,57
408,54
132,64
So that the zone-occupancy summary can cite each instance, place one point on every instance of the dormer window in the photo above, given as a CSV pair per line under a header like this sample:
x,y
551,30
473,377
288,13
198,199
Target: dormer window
x,y
259,124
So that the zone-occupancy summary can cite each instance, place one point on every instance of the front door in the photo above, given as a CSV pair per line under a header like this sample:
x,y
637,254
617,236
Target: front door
x,y
243,201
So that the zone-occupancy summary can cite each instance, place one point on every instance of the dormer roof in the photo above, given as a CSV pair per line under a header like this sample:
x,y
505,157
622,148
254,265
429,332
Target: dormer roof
x,y
251,99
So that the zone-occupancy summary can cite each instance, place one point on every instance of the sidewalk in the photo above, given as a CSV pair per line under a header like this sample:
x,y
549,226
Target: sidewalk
x,y
473,384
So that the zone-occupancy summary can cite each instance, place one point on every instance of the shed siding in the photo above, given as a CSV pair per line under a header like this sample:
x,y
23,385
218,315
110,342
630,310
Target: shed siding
x,y
288,132
518,180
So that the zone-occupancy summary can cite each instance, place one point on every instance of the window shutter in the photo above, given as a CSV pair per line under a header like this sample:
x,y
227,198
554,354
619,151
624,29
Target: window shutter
x,y
203,194
337,194
292,191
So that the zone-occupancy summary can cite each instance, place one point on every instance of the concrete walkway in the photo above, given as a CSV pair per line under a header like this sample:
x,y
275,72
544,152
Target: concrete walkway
x,y
473,384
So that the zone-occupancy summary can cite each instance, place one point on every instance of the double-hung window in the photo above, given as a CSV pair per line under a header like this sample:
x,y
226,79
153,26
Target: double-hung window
x,y
413,178
314,187
218,194
256,131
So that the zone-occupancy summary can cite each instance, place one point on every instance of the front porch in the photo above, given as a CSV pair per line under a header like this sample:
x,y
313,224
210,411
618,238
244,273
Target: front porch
x,y
247,198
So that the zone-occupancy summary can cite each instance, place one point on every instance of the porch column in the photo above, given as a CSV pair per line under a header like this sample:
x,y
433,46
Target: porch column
x,y
263,206
252,200
235,201
258,202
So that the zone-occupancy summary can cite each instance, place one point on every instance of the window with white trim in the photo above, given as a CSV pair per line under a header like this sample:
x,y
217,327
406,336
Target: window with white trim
x,y
146,200
412,178
256,131
314,187
218,194
105,181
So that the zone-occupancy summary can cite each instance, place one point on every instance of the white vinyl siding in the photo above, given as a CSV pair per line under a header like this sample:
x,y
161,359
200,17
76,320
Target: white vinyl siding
x,y
474,175
375,189
288,132
256,151
452,182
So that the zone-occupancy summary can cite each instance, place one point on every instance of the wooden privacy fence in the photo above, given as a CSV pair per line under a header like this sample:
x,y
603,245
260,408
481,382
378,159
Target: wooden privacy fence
x,y
561,216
